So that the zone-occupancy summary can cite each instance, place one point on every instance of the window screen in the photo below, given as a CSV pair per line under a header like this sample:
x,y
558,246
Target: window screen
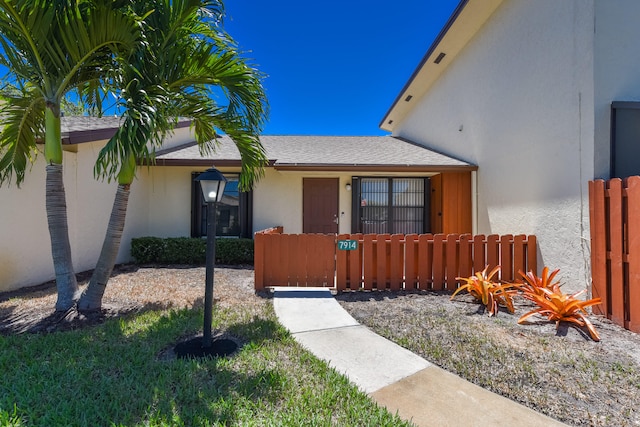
x,y
391,205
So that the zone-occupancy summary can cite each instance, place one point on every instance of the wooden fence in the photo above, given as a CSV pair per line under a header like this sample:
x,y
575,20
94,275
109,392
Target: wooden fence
x,y
393,262
614,210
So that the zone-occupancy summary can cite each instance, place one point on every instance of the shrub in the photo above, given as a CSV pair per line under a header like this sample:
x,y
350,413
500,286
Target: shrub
x,y
491,294
187,250
555,304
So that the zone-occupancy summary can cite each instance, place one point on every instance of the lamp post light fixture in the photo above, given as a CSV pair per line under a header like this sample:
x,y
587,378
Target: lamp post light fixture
x,y
212,183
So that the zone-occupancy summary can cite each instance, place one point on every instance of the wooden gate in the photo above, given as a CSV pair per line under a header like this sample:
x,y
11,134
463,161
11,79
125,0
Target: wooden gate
x,y
614,211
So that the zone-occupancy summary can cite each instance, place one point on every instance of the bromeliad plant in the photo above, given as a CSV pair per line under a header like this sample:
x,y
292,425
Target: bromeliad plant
x,y
534,284
490,293
555,304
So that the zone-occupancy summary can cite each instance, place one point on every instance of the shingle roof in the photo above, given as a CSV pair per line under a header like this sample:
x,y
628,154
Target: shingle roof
x,y
79,129
321,152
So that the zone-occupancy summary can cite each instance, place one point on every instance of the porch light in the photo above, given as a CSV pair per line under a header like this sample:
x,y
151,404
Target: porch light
x,y
212,183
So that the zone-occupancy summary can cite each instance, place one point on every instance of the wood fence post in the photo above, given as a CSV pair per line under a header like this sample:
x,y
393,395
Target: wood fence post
x,y
411,261
597,220
258,262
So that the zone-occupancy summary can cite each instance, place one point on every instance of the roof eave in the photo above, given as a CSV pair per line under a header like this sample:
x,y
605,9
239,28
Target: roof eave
x,y
306,167
476,12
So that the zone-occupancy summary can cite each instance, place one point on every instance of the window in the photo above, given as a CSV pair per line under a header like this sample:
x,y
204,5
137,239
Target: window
x,y
625,139
390,205
233,212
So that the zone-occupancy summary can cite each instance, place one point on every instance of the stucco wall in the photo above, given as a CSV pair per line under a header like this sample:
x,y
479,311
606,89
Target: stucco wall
x,y
25,248
277,200
617,69
518,102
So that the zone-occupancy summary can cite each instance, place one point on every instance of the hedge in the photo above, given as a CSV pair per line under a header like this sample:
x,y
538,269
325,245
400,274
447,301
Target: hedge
x,y
187,250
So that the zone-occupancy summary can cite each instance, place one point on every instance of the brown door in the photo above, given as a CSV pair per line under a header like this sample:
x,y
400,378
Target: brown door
x,y
320,205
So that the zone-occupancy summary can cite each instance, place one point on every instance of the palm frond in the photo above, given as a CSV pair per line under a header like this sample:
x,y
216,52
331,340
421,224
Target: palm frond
x,y
23,123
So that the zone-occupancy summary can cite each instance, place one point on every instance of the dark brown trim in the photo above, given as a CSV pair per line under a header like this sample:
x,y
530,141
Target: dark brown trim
x,y
90,135
374,168
197,162
81,136
425,59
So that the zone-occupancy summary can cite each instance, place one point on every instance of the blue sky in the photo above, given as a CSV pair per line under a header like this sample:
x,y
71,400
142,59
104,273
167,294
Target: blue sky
x,y
334,67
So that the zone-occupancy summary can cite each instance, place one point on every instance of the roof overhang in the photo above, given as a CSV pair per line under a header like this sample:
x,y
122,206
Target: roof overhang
x,y
373,168
468,17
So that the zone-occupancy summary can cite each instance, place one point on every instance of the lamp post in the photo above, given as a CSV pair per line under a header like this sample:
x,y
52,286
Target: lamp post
x,y
212,183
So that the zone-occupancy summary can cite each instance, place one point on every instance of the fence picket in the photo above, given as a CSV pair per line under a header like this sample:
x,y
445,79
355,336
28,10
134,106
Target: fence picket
x,y
633,253
342,269
380,261
355,264
615,251
519,256
479,252
411,261
439,259
369,261
532,253
493,251
506,258
597,219
452,261
396,258
466,256
425,255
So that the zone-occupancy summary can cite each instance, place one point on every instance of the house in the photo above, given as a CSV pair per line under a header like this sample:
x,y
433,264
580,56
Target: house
x,y
311,184
541,95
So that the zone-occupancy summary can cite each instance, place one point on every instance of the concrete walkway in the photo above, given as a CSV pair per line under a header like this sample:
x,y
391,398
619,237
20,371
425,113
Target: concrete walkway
x,y
394,377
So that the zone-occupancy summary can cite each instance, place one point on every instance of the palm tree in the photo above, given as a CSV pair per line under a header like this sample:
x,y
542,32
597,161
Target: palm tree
x,y
186,61
52,47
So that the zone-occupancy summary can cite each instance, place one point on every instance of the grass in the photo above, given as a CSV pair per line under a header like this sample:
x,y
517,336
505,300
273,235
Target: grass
x,y
115,375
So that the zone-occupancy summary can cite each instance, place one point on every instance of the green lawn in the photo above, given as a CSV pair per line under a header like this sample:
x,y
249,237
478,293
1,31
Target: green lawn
x,y
114,374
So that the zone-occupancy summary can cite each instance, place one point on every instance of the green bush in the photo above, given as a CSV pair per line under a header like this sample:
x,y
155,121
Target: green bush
x,y
187,250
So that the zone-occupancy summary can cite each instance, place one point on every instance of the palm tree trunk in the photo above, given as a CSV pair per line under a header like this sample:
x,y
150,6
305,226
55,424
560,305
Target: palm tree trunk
x,y
91,299
56,205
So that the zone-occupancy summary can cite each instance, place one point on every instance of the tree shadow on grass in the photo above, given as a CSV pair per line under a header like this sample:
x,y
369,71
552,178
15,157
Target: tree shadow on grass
x,y
120,380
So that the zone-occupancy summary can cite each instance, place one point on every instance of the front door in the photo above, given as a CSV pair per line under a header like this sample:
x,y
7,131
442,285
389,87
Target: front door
x,y
320,205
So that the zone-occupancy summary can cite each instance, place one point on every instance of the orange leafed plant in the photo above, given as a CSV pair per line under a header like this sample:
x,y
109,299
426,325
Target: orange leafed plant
x,y
533,284
555,304
484,289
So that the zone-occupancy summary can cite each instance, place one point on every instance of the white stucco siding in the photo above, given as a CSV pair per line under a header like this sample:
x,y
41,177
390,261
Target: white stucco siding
x,y
169,200
617,69
25,254
25,248
516,102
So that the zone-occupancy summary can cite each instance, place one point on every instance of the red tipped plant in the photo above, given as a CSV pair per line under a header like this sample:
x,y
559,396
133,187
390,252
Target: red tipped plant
x,y
533,284
555,304
490,293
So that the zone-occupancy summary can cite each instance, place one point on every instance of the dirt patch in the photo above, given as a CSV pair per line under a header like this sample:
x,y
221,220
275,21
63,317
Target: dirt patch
x,y
560,372
131,289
